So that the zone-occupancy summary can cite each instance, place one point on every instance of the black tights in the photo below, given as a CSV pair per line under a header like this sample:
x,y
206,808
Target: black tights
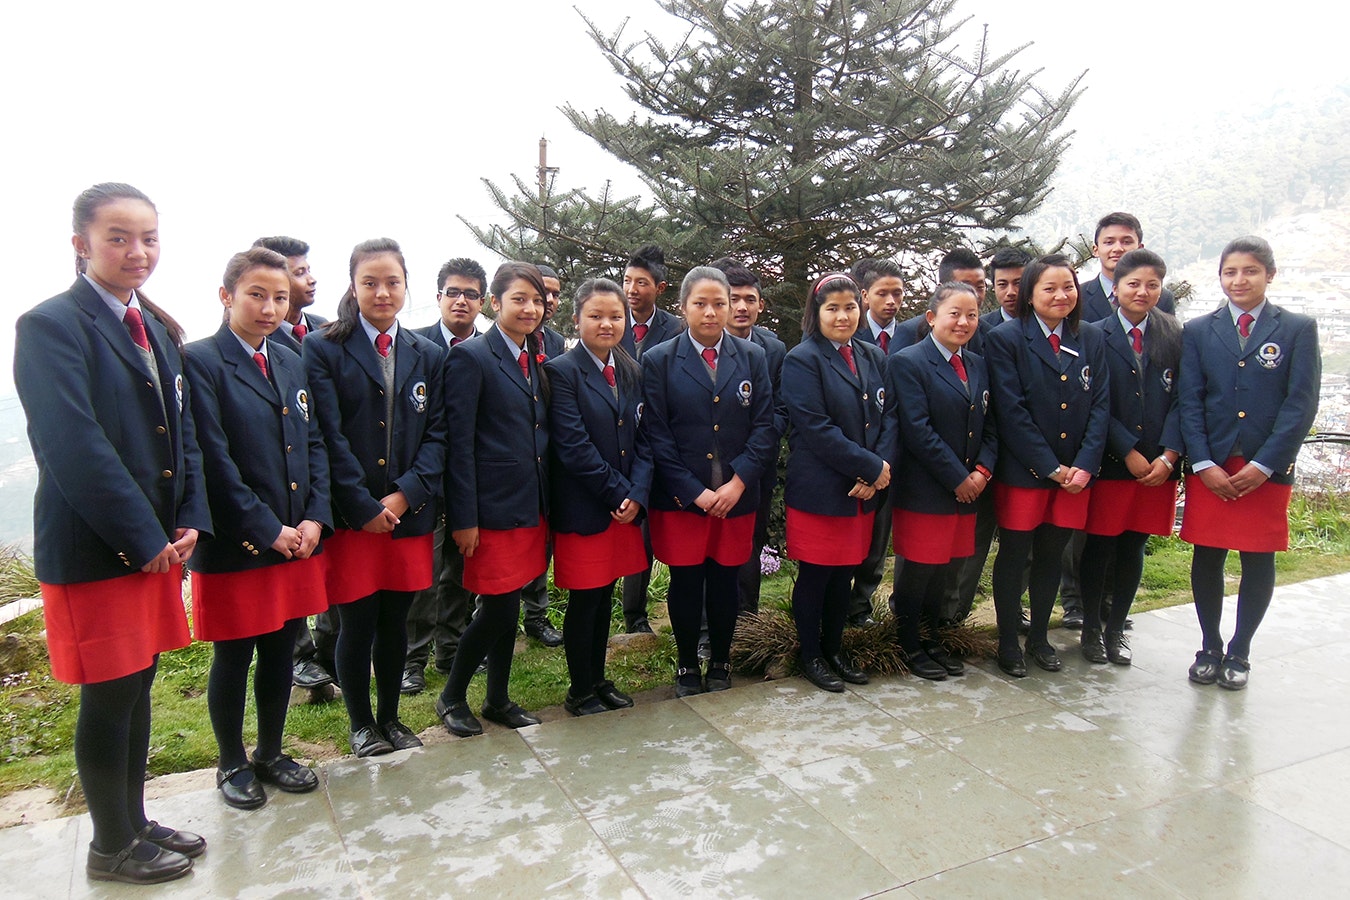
x,y
690,587
374,630
919,592
227,689
820,607
1045,547
586,636
112,744
1126,552
491,636
1254,593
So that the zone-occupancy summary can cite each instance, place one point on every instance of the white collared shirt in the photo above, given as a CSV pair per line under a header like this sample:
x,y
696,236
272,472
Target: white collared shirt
x,y
700,348
114,303
372,332
877,329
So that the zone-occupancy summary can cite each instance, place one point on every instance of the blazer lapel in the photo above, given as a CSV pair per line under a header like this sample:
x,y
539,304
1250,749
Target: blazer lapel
x,y
1222,325
837,361
107,324
693,366
1040,344
945,370
1265,327
507,360
245,369
406,358
595,378
360,348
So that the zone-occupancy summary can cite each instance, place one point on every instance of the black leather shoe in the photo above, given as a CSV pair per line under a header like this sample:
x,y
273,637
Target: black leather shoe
x,y
815,671
309,674
1233,673
688,683
367,741
286,774
1118,648
164,865
938,654
249,795
184,842
718,678
845,671
922,665
1073,618
543,631
1092,646
1024,624
414,682
400,736
612,696
458,719
1045,656
1012,663
704,649
510,715
588,705
641,626
1129,624
1205,669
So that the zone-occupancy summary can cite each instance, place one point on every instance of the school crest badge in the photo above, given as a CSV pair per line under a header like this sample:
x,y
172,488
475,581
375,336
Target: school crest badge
x,y
419,397
1168,376
302,402
1270,355
637,414
1085,377
178,391
744,391
881,399
984,400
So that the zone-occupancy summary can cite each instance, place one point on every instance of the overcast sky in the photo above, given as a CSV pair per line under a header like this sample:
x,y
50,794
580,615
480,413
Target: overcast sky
x,y
340,121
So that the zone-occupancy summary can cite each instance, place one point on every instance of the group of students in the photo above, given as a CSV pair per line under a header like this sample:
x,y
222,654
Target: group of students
x,y
291,483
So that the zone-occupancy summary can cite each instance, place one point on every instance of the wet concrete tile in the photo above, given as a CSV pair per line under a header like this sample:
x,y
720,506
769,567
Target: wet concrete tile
x,y
639,755
791,722
1310,794
1069,766
751,838
919,809
47,858
934,706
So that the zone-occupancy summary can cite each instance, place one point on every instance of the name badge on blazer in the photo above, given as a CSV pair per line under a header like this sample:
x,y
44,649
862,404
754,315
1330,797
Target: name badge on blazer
x,y
419,397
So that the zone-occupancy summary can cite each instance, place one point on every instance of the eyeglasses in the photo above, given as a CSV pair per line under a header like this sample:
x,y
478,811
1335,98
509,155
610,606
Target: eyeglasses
x,y
456,293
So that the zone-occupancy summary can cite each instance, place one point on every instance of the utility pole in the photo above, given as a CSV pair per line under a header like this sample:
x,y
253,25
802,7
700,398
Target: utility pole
x,y
545,172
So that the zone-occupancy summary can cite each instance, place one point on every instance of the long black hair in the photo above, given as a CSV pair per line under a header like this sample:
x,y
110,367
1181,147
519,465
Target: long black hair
x,y
348,312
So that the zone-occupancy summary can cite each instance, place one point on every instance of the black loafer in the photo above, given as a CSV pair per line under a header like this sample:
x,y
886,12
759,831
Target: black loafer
x,y
1011,662
688,683
367,741
511,715
458,719
815,671
612,696
922,665
286,774
718,678
1091,645
165,865
184,842
249,795
845,671
309,674
1118,648
400,736
543,631
1045,656
414,682
1233,673
588,705
1073,619
1205,669
642,626
938,654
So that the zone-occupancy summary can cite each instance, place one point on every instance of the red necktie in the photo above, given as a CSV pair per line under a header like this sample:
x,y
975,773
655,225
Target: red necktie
x,y
382,344
609,376
883,341
1054,343
960,366
640,333
136,325
299,332
455,340
1137,340
1244,324
710,357
525,364
847,352
261,362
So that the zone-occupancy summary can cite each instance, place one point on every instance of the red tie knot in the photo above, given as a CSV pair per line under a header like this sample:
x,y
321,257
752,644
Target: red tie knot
x,y
959,365
710,357
609,375
1245,324
1054,342
299,331
382,344
136,325
640,333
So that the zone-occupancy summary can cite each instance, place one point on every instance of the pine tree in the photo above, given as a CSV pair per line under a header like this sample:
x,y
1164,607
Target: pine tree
x,y
799,137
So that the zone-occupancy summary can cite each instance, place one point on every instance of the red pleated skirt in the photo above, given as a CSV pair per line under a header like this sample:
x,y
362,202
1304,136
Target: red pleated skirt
x,y
681,538
359,563
932,538
828,540
506,561
231,605
585,561
1120,505
1256,523
1023,509
101,630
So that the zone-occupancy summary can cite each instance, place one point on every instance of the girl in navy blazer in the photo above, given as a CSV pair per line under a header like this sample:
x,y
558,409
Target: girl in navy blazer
x,y
709,420
254,584
947,449
1052,407
497,483
836,465
377,391
1250,377
600,476
118,510
1136,494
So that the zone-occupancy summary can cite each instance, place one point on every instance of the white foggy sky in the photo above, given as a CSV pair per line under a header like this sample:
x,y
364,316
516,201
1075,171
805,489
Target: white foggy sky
x,y
340,121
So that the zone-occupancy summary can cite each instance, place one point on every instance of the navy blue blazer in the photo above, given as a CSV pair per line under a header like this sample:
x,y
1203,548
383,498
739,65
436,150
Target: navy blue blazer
x,y
434,334
598,458
864,334
262,451
347,390
1097,306
944,430
555,344
664,327
1050,411
775,351
1263,398
688,420
312,323
907,335
836,433
1144,412
497,476
118,465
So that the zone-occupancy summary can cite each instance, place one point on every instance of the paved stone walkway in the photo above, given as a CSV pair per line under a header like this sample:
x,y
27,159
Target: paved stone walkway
x,y
1096,781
